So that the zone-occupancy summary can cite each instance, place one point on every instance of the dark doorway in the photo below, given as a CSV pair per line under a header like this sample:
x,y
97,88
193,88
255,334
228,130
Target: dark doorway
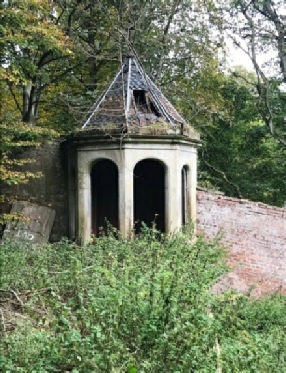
x,y
185,176
104,189
149,194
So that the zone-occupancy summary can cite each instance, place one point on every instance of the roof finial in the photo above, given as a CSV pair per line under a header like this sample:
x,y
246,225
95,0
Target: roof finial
x,y
130,39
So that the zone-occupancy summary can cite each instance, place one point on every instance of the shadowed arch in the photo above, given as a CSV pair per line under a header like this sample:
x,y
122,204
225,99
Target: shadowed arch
x,y
149,194
185,193
104,195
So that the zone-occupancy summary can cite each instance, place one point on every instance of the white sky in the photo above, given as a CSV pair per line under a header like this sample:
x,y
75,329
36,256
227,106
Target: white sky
x,y
236,56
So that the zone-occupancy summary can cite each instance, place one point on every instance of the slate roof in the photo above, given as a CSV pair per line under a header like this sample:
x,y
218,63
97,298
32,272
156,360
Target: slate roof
x,y
132,100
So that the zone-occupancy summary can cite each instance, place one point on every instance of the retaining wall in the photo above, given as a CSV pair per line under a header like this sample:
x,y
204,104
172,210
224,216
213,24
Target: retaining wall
x,y
48,190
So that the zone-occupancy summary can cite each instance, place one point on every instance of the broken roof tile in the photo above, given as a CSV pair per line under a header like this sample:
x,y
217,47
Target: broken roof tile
x,y
132,99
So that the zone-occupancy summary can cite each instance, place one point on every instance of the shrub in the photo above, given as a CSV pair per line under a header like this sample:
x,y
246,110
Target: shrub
x,y
141,305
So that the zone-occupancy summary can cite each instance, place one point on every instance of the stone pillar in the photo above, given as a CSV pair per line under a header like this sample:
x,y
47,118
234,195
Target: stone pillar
x,y
84,207
173,198
72,188
126,209
192,198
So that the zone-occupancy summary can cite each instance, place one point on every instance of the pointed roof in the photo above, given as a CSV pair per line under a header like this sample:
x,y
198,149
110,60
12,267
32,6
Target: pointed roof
x,y
132,100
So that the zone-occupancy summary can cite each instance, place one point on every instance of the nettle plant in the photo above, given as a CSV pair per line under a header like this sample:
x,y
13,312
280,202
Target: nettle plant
x,y
133,305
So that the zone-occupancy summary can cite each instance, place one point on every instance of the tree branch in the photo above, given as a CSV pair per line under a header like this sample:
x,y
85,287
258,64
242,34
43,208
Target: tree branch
x,y
11,291
263,89
223,175
14,97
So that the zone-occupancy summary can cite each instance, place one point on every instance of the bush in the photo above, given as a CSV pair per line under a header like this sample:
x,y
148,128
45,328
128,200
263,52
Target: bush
x,y
141,305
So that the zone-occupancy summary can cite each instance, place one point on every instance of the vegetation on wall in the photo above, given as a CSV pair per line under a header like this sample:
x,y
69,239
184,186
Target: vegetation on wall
x,y
16,136
58,56
140,305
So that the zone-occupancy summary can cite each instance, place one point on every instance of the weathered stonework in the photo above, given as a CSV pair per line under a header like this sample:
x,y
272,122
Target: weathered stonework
x,y
49,190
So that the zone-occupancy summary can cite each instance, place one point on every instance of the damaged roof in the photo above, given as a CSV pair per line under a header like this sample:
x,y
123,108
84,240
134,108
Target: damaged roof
x,y
132,100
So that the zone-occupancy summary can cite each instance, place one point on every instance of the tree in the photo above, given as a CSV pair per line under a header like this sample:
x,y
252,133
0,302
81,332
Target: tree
x,y
72,48
16,136
58,56
259,28
33,47
239,156
170,38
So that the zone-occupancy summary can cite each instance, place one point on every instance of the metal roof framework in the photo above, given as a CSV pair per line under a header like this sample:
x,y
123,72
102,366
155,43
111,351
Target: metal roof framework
x,y
132,100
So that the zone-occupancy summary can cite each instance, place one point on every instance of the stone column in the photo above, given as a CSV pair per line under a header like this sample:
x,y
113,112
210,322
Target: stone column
x,y
126,209
72,188
84,207
192,190
173,198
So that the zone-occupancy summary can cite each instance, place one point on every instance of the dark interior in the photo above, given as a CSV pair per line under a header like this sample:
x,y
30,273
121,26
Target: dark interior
x,y
140,99
149,194
142,103
104,186
184,195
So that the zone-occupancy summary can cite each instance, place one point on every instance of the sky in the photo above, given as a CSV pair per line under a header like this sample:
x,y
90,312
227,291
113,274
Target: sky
x,y
236,56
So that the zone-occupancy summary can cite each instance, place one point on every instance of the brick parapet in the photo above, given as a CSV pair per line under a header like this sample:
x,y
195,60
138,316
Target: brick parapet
x,y
255,235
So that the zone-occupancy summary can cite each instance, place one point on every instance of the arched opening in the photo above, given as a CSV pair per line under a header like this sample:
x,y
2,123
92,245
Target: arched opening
x,y
104,196
185,202
149,194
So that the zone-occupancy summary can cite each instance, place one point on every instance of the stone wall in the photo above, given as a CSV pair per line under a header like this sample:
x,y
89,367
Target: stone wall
x,y
48,190
255,235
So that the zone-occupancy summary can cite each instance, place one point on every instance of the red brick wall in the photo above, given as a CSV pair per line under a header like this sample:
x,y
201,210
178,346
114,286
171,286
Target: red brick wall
x,y
255,235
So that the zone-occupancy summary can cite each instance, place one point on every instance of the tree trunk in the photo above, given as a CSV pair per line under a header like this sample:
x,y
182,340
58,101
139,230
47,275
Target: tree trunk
x,y
29,105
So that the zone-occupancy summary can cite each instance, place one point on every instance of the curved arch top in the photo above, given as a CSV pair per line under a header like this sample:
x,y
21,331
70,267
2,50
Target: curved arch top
x,y
155,159
96,160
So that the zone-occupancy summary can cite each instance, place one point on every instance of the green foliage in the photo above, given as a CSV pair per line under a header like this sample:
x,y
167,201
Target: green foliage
x,y
239,156
141,305
258,28
57,57
15,137
34,48
255,340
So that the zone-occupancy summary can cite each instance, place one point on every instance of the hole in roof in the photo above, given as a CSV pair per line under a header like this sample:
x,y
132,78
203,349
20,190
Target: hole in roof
x,y
143,103
140,99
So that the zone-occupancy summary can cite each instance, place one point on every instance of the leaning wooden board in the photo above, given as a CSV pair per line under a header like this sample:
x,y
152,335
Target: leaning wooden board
x,y
34,224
